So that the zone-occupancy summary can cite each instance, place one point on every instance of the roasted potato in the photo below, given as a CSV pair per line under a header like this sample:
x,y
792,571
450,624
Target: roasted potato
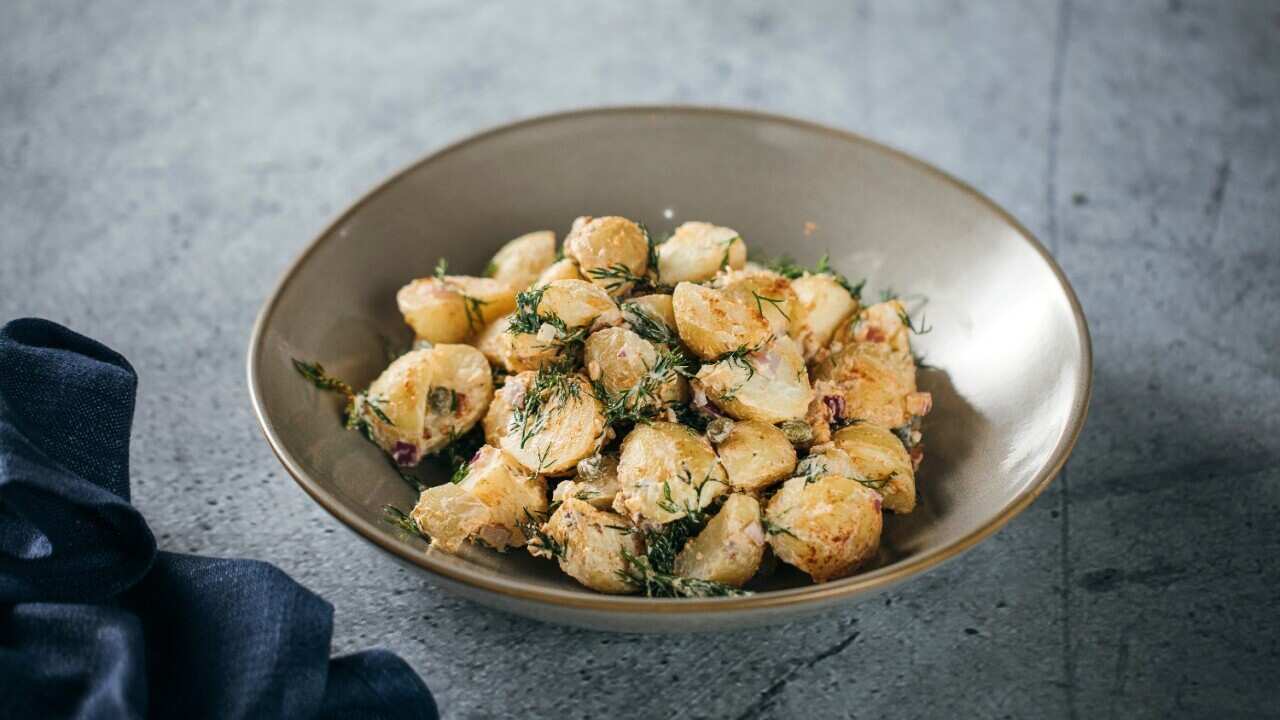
x,y
563,269
657,307
769,293
452,308
756,455
497,420
516,352
879,323
728,550
696,251
576,302
556,422
770,385
881,462
712,325
394,406
508,494
824,305
596,482
590,544
521,261
461,388
620,360
609,251
664,470
826,526
874,384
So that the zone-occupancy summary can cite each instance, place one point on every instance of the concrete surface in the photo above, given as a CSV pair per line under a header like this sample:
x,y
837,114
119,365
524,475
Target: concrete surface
x,y
161,163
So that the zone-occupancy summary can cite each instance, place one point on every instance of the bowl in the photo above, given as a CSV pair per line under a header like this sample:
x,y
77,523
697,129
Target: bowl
x,y
1009,345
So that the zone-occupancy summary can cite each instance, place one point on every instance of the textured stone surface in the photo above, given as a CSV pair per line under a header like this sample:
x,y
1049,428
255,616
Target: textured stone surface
x,y
161,163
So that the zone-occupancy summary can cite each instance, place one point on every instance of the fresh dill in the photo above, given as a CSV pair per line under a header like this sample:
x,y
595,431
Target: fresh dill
x,y
541,542
397,517
442,268
906,320
774,529
647,326
527,320
741,357
642,401
315,373
618,275
490,269
777,304
409,479
552,387
728,245
457,452
640,573
375,406
787,267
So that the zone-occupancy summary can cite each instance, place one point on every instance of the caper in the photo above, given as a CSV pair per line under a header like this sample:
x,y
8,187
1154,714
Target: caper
x,y
718,430
797,431
441,400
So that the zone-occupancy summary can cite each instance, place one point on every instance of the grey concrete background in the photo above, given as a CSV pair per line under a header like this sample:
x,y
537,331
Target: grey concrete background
x,y
161,163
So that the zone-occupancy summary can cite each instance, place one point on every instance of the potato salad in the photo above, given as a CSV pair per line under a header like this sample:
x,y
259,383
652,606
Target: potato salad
x,y
662,416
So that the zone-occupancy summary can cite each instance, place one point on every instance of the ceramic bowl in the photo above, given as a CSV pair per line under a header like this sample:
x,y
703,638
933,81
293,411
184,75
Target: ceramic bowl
x,y
1009,341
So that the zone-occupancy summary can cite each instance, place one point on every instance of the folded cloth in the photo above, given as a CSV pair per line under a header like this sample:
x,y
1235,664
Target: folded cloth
x,y
95,623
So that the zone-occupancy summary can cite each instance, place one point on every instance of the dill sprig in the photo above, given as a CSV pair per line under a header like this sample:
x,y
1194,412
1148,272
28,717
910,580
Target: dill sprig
x,y
647,326
471,305
408,478
397,517
527,320
728,245
655,583
774,529
785,266
457,452
777,304
741,356
617,275
642,401
315,373
543,544
442,268
552,387
906,320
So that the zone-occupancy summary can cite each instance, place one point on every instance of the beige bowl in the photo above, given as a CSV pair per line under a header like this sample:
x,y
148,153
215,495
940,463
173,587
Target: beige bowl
x,y
1009,340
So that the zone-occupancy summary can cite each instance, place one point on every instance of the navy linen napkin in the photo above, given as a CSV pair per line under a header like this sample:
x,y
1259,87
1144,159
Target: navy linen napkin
x,y
95,623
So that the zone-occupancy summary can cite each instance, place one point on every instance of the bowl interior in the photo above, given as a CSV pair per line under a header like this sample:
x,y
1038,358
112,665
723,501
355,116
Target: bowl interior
x,y
1007,341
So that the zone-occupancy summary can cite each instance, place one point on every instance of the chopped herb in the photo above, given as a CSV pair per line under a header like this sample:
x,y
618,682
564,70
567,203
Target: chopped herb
x,y
728,245
442,268
616,276
318,377
552,387
655,583
375,406
777,304
787,267
541,542
490,269
643,400
397,517
773,529
906,320
408,478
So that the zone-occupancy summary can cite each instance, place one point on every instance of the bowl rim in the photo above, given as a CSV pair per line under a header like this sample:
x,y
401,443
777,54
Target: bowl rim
x,y
793,598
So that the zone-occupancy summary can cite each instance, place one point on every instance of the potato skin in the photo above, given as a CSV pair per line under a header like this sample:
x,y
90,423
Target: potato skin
x,y
774,389
600,243
451,309
878,456
522,260
767,292
593,545
696,251
508,492
661,459
756,455
572,428
729,549
873,381
712,325
824,305
827,528
450,515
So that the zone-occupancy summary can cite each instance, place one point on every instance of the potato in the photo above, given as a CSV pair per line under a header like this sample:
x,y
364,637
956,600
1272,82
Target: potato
x,y
516,352
620,360
505,492
770,385
498,419
826,527
697,251
576,302
399,394
729,549
589,544
824,305
881,323
596,482
451,309
655,307
874,383
769,293
606,244
461,388
827,459
450,515
881,463
664,470
563,269
492,341
556,423
756,455
713,325
521,261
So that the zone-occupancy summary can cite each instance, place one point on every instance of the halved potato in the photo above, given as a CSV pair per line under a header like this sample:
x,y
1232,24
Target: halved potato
x,y
696,251
609,251
620,360
461,388
729,549
769,293
508,494
882,463
827,459
756,455
497,420
824,305
516,352
827,527
399,395
713,325
879,323
563,269
874,383
771,385
521,261
589,544
657,305
556,423
596,482
664,470
576,302
451,309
